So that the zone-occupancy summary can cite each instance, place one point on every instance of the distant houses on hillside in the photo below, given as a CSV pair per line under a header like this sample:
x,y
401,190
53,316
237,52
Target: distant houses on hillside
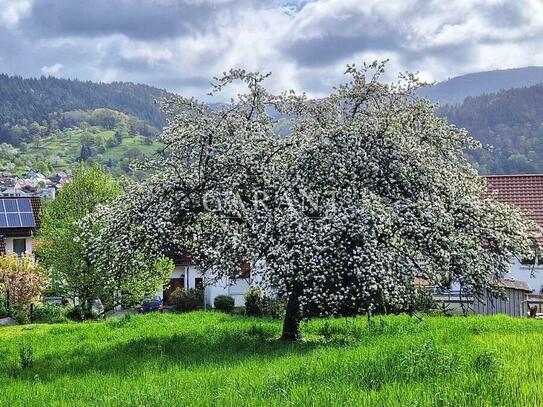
x,y
34,183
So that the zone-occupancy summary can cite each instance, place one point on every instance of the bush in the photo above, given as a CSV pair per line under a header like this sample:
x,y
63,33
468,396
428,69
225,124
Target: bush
x,y
224,303
273,307
48,314
422,301
187,300
4,312
23,278
20,315
253,302
259,305
239,311
75,313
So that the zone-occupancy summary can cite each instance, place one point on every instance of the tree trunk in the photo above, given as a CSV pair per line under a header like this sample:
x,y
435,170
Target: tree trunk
x,y
291,323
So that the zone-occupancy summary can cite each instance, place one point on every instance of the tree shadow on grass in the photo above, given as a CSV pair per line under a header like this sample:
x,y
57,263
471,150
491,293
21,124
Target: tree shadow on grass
x,y
184,350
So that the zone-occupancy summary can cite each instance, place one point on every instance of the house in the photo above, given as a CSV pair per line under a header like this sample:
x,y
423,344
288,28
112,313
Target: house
x,y
186,275
524,281
33,184
526,193
516,304
19,220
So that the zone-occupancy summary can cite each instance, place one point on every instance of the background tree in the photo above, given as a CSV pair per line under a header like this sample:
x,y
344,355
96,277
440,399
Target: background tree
x,y
60,247
339,203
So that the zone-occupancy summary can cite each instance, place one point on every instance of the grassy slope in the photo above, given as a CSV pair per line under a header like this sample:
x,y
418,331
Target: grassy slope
x,y
213,359
68,147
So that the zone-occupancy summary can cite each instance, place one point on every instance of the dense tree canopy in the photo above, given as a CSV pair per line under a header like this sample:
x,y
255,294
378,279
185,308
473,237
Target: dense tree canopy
x,y
366,192
61,245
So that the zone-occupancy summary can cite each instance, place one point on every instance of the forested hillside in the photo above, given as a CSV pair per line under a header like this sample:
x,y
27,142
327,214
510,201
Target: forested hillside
x,y
28,103
37,116
511,121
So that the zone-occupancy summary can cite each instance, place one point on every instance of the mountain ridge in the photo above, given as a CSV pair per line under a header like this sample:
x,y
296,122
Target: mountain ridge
x,y
456,89
35,98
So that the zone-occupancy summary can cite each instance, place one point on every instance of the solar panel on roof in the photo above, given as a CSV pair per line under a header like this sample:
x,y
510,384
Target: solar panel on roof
x,y
14,220
16,213
11,205
24,205
27,219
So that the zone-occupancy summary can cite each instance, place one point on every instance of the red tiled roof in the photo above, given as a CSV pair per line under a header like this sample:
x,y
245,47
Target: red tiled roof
x,y
523,191
35,201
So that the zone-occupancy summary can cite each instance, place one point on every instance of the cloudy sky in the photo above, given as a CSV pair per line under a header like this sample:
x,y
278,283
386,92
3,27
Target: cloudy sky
x,y
180,44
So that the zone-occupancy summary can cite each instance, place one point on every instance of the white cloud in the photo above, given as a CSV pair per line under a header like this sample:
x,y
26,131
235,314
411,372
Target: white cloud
x,y
52,70
305,44
11,11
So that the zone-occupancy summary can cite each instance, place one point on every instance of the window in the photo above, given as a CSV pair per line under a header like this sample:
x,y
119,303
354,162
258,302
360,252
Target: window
x,y
199,283
19,246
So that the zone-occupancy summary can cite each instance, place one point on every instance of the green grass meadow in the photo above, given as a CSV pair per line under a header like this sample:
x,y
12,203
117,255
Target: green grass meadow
x,y
213,359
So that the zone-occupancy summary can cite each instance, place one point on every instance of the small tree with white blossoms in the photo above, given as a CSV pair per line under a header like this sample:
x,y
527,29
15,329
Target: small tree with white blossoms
x,y
342,201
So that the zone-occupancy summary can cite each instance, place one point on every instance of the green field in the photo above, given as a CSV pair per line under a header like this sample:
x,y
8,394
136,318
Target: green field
x,y
212,359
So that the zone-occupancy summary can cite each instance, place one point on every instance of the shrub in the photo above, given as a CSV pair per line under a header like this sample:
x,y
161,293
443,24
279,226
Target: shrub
x,y
75,313
259,331
20,315
423,301
420,300
120,322
187,300
273,307
259,305
253,302
48,314
4,312
23,278
239,311
224,303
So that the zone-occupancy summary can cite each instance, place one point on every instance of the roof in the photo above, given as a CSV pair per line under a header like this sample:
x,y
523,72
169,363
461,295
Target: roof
x,y
515,285
522,191
19,214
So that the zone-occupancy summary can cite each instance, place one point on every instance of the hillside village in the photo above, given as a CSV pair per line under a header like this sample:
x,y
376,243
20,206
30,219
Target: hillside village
x,y
33,183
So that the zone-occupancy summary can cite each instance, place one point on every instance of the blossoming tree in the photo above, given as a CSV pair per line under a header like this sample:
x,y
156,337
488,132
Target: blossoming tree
x,y
339,203
22,281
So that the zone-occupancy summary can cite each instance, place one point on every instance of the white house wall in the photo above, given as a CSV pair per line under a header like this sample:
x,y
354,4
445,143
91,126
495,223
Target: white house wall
x,y
9,244
235,289
532,275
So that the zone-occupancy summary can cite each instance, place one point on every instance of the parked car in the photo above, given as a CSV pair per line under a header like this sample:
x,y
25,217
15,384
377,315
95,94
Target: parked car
x,y
150,305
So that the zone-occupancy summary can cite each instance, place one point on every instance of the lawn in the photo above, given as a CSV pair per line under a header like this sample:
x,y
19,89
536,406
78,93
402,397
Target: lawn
x,y
206,359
